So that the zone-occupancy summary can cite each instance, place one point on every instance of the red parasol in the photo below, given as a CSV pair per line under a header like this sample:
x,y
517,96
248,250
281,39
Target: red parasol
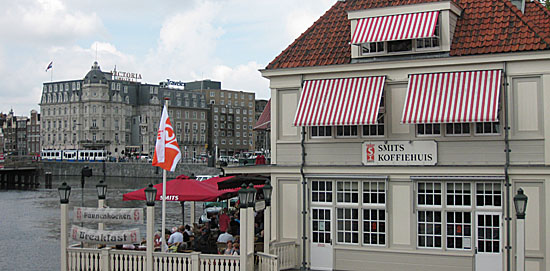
x,y
180,190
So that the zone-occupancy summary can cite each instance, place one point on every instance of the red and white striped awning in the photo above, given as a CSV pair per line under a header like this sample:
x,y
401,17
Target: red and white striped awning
x,y
395,27
346,101
454,97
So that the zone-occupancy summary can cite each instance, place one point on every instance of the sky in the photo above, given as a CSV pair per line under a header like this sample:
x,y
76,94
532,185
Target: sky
x,y
180,40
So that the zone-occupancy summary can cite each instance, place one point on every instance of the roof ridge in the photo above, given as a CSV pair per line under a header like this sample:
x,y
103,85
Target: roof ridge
x,y
515,10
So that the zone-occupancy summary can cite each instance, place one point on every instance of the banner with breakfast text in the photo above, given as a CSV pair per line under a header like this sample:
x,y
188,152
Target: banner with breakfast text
x,y
120,237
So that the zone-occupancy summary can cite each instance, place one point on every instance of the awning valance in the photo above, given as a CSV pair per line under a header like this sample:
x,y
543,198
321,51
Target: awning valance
x,y
395,27
346,101
454,97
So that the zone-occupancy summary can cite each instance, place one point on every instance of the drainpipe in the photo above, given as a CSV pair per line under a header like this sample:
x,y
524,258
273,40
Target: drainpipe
x,y
304,200
506,166
304,195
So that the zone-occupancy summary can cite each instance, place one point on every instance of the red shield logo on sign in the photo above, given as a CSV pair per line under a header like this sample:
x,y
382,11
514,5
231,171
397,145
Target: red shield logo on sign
x,y
136,215
79,213
74,233
370,152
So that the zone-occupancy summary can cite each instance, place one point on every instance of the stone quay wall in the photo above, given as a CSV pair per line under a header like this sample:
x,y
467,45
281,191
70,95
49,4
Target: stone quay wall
x,y
125,169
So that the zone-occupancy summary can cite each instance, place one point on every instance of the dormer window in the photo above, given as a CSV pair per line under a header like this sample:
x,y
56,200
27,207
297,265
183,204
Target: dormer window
x,y
403,30
398,33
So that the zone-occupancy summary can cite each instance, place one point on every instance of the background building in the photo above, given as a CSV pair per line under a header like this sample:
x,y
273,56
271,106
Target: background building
x,y
232,117
263,128
20,135
112,111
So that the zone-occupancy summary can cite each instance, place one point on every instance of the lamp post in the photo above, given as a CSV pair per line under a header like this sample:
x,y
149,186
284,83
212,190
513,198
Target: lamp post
x,y
64,193
267,215
101,193
150,195
520,202
86,172
250,223
243,200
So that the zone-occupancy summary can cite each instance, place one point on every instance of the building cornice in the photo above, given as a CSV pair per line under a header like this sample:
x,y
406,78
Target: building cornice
x,y
408,64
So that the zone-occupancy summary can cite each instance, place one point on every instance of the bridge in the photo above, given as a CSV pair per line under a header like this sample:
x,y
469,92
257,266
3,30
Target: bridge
x,y
21,173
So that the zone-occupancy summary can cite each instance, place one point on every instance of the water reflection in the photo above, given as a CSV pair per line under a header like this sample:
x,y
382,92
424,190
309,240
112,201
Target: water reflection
x,y
29,220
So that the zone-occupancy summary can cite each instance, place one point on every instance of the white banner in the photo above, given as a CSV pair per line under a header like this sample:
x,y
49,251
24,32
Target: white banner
x,y
130,236
109,215
399,153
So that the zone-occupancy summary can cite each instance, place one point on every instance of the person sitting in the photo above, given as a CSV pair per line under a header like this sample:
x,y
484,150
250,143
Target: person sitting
x,y
236,250
176,238
229,249
224,237
202,242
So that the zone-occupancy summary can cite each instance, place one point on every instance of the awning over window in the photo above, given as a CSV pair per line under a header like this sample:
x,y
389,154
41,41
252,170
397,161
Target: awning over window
x,y
452,97
395,27
331,102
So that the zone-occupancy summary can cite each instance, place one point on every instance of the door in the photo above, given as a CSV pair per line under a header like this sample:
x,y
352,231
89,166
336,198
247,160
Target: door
x,y
489,241
321,239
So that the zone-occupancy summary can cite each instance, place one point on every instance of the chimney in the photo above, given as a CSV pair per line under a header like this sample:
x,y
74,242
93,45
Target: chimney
x,y
520,4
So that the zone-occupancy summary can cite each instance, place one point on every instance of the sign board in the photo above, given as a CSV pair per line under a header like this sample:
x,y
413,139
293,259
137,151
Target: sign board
x,y
260,205
130,236
170,83
109,215
126,76
376,153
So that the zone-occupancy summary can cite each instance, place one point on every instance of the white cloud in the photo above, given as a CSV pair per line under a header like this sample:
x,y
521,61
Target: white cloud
x,y
223,40
45,21
243,77
305,13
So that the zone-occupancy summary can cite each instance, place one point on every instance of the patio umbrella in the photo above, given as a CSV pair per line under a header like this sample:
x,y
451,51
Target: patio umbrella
x,y
180,190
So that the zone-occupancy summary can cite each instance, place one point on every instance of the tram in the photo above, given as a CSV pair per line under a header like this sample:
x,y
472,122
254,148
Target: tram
x,y
74,155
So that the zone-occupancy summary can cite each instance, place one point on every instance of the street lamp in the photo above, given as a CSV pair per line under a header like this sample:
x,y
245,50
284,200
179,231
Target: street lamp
x,y
150,195
251,195
267,215
101,190
267,193
243,197
520,202
64,193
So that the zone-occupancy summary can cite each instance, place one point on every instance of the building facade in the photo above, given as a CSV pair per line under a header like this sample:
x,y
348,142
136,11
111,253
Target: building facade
x,y
232,117
33,134
399,145
114,112
20,135
260,135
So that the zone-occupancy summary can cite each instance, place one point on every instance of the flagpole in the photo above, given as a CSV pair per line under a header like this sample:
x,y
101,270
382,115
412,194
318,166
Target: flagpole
x,y
164,199
163,209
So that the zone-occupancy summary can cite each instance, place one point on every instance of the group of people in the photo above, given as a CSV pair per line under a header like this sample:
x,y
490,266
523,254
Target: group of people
x,y
220,235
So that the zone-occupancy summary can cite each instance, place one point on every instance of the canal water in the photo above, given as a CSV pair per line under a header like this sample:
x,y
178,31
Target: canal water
x,y
30,220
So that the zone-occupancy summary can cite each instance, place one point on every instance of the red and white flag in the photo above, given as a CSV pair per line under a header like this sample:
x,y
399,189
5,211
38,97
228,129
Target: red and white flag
x,y
167,151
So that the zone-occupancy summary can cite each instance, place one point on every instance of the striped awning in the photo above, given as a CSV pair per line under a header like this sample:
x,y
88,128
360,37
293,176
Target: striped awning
x,y
331,102
454,97
395,27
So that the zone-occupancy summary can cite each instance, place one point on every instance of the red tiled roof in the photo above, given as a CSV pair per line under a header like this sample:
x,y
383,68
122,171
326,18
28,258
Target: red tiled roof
x,y
264,121
485,26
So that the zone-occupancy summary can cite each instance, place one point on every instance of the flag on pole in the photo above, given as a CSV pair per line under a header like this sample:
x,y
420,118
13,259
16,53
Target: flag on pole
x,y
49,66
167,151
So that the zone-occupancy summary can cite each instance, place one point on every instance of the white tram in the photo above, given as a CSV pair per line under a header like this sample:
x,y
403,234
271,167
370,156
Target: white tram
x,y
74,155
